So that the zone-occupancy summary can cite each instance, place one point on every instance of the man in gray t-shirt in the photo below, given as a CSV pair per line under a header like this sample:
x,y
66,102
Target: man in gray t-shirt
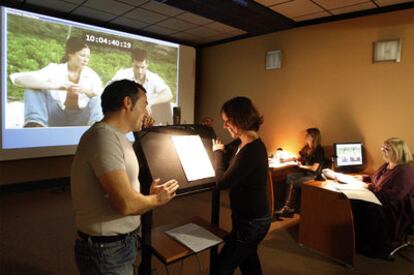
x,y
105,187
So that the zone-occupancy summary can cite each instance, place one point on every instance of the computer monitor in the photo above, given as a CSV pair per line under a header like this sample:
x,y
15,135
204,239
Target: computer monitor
x,y
349,156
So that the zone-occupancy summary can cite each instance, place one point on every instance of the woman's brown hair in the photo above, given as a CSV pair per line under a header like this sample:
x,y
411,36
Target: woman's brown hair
x,y
242,113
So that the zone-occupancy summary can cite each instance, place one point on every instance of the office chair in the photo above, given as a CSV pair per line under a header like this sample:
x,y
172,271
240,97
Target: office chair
x,y
407,242
326,163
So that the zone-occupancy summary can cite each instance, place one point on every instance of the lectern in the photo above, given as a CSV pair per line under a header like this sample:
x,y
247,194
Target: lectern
x,y
158,158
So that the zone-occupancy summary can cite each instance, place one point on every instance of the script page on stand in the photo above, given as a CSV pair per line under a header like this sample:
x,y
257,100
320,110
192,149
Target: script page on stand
x,y
193,157
194,237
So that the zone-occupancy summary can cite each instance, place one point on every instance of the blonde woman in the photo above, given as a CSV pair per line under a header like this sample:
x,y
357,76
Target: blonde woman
x,y
393,183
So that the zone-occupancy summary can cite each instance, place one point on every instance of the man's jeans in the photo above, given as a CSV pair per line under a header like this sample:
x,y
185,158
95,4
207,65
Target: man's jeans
x,y
41,108
106,258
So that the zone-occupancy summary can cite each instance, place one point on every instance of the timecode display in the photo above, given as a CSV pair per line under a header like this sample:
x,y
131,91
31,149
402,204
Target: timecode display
x,y
107,41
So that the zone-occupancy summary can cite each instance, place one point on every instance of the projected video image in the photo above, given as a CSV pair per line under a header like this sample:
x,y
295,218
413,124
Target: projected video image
x,y
57,71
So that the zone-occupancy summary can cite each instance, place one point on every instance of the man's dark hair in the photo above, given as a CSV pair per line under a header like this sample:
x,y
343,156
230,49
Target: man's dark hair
x,y
138,55
115,92
242,113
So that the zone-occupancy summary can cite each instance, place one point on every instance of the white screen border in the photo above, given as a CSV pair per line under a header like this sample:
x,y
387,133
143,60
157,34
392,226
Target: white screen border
x,y
185,90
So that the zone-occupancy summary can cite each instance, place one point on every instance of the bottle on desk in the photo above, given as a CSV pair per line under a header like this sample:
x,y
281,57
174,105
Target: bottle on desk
x,y
277,157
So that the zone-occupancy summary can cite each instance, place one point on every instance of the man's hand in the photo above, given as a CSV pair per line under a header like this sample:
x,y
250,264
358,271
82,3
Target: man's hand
x,y
155,186
217,145
164,192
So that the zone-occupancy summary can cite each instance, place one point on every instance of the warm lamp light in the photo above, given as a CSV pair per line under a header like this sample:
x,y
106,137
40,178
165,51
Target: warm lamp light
x,y
287,155
279,156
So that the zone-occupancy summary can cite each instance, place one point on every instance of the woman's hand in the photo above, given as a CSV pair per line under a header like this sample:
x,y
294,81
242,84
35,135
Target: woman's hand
x,y
371,186
148,121
217,145
77,89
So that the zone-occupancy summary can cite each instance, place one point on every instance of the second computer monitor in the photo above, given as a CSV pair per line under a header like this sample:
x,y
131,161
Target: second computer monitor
x,y
349,156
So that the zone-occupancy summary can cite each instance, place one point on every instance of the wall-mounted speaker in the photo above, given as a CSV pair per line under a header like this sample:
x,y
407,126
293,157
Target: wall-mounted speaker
x,y
273,60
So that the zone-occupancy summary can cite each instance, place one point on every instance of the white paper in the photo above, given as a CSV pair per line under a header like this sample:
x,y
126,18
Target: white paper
x,y
194,237
193,157
363,194
350,180
350,186
355,190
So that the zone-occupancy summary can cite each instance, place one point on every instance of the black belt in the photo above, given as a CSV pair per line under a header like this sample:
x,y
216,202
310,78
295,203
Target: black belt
x,y
103,239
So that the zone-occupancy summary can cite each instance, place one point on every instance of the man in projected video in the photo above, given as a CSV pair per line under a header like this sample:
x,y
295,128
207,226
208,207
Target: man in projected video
x,y
158,92
64,94
105,185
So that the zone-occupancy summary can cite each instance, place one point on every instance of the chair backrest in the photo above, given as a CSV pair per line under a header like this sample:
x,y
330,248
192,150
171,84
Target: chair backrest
x,y
326,163
412,163
270,195
328,150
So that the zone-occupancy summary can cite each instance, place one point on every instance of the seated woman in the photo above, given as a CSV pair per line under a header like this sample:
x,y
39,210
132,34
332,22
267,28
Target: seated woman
x,y
64,94
311,157
393,183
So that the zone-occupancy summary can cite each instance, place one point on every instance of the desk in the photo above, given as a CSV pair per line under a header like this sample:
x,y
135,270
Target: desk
x,y
326,222
169,250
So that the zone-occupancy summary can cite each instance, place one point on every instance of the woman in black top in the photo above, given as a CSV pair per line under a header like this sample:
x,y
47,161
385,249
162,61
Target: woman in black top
x,y
311,158
242,167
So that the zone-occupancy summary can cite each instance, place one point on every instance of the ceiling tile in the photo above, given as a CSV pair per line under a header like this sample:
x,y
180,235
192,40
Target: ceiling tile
x,y
383,3
161,8
202,32
93,14
311,16
109,6
199,39
193,18
296,8
185,35
204,40
268,3
238,32
54,5
220,27
145,16
123,21
353,8
159,30
135,3
176,24
77,2
334,4
224,36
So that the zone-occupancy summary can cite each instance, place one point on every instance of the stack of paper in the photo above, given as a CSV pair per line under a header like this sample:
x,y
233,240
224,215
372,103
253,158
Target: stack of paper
x,y
194,237
351,187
